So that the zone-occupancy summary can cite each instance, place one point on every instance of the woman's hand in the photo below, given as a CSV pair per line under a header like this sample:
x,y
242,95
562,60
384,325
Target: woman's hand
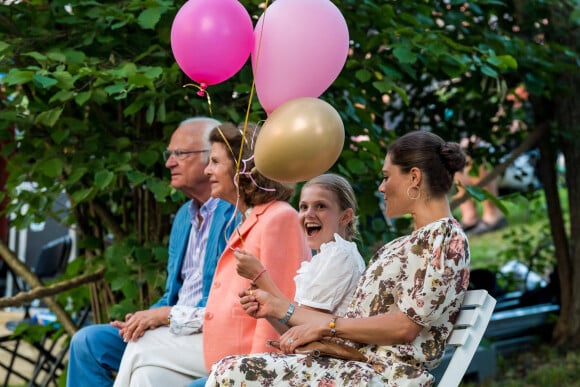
x,y
299,335
247,265
260,304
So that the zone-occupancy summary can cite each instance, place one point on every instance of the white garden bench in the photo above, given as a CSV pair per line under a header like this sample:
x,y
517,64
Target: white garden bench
x,y
469,328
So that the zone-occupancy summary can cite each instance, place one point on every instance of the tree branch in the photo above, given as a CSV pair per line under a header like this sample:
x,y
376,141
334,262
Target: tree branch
x,y
54,289
526,145
32,279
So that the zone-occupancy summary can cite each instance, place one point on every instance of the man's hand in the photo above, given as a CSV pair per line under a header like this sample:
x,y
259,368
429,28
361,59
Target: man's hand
x,y
137,323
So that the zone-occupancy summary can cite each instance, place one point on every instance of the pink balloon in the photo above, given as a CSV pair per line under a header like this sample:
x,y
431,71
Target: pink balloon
x,y
211,39
300,48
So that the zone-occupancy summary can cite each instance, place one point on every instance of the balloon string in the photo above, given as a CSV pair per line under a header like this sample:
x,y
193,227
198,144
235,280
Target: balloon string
x,y
202,92
249,173
260,43
253,88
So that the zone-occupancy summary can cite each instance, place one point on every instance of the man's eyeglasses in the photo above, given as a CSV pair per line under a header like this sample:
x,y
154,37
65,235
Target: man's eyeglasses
x,y
180,154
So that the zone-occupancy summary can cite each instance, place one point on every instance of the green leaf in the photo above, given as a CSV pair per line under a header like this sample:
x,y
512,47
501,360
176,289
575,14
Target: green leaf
x,y
82,97
150,116
116,89
160,188
153,72
3,46
122,143
44,82
488,71
136,177
118,282
131,290
51,168
81,195
133,107
149,18
57,56
36,55
142,254
495,200
119,158
139,80
99,96
383,86
59,135
118,251
64,78
161,115
574,17
76,174
503,62
62,96
103,178
161,253
404,55
49,117
363,75
148,158
125,71
74,56
475,192
356,166
118,25
480,194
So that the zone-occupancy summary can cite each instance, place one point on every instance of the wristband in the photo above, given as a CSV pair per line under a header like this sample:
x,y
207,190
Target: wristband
x,y
258,275
289,313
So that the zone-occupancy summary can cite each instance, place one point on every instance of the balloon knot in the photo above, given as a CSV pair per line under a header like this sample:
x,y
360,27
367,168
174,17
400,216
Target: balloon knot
x,y
202,87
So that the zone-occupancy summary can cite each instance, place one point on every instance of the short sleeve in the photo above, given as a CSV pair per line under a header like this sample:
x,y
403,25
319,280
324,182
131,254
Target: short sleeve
x,y
439,274
329,279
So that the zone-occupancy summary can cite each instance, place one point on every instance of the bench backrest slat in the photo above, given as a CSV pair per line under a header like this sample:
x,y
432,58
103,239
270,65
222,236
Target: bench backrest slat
x,y
467,333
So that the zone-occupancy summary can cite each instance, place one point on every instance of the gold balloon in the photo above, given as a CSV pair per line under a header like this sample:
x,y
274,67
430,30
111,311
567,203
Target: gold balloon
x,y
301,139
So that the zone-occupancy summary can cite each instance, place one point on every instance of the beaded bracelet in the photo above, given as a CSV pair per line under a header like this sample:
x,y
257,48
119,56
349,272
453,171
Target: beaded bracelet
x,y
288,314
258,275
333,326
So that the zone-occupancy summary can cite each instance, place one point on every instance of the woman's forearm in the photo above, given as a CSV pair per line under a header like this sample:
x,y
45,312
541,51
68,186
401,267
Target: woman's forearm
x,y
386,329
300,315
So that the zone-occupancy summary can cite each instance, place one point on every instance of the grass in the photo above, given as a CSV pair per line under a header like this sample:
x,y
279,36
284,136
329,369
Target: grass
x,y
543,365
527,223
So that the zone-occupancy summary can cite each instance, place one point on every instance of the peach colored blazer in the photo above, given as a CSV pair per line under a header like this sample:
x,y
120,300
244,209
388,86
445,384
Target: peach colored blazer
x,y
271,232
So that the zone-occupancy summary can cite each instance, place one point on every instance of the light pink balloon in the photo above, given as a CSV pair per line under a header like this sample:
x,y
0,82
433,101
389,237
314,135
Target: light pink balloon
x,y
211,39
300,48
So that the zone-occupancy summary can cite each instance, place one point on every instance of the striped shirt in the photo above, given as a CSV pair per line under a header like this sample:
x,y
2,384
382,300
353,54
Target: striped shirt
x,y
192,267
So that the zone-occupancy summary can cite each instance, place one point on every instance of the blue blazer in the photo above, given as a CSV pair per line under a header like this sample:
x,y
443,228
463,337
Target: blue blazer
x,y
220,230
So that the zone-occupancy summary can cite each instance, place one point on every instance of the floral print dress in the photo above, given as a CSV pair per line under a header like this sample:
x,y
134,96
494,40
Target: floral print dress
x,y
424,275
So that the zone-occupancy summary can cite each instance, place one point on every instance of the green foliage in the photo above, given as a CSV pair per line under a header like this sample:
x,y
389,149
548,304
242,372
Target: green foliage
x,y
527,239
93,94
542,365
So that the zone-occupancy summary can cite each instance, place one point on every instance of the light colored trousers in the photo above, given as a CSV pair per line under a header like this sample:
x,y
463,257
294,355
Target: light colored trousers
x,y
160,358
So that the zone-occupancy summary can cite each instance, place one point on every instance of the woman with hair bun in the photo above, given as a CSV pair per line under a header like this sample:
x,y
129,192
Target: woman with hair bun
x,y
405,303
